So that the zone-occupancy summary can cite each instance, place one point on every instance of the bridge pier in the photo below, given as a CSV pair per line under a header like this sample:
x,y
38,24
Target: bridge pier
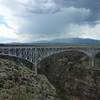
x,y
92,57
91,61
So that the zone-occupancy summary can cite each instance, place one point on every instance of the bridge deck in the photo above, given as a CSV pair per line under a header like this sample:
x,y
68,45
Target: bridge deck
x,y
47,46
37,52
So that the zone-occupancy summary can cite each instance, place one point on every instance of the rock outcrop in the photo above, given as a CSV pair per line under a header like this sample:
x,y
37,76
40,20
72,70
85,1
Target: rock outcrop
x,y
72,76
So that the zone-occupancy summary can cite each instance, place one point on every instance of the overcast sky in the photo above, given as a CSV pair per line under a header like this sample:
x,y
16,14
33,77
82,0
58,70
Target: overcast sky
x,y
33,20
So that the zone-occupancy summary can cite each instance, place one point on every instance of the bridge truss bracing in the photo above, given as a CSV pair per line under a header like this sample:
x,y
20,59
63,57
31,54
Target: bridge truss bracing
x,y
35,54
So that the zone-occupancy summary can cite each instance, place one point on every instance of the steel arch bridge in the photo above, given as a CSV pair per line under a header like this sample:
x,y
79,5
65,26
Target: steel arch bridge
x,y
36,53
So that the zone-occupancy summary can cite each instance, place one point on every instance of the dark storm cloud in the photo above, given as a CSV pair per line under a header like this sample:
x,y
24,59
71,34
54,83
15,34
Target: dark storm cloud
x,y
93,5
49,19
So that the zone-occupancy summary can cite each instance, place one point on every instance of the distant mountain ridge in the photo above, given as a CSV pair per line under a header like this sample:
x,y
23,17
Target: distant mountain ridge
x,y
72,41
68,41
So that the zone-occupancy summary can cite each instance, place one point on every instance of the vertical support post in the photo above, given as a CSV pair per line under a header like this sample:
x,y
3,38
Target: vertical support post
x,y
93,64
31,54
91,59
2,50
8,51
35,60
20,52
15,51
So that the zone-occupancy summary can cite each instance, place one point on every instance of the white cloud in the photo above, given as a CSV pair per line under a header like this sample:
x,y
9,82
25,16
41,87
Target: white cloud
x,y
7,32
40,6
31,20
84,31
31,6
9,35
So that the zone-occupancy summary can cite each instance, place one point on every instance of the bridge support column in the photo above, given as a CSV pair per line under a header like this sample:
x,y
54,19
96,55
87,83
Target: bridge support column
x,y
35,59
92,64
91,61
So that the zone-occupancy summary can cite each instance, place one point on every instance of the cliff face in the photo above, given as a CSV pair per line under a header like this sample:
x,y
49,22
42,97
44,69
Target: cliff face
x,y
70,73
17,82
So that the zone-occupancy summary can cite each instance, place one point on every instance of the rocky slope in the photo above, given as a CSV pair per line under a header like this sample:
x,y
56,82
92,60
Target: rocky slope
x,y
17,82
70,73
